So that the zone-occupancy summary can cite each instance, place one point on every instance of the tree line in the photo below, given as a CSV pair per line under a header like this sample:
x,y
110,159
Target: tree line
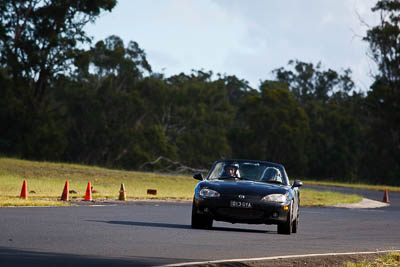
x,y
105,106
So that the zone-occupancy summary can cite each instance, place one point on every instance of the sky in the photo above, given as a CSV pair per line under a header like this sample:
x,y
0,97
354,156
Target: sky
x,y
246,38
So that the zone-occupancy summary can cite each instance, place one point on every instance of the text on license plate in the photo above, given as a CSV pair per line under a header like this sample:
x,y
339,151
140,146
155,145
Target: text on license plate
x,y
240,204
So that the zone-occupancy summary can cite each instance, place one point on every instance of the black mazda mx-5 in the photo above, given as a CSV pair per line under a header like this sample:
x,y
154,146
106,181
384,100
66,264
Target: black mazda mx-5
x,y
246,191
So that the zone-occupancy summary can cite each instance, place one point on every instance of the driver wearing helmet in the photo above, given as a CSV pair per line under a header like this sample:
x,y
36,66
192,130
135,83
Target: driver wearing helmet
x,y
231,171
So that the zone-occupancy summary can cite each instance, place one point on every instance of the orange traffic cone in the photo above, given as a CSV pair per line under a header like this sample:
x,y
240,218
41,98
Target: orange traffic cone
x,y
24,191
65,193
122,194
386,196
88,196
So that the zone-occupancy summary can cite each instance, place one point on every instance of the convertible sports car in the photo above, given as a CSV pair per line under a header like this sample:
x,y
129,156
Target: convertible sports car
x,y
246,191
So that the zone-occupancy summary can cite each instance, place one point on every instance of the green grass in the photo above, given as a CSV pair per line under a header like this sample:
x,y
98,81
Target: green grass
x,y
354,186
48,179
391,259
16,201
310,197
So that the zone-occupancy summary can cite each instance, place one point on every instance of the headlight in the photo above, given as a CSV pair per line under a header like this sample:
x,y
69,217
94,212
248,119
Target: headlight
x,y
280,198
205,192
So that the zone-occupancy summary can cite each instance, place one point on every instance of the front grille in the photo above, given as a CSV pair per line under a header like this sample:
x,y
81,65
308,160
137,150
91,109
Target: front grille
x,y
240,213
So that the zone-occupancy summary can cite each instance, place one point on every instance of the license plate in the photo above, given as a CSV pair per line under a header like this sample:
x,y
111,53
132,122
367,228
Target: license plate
x,y
240,204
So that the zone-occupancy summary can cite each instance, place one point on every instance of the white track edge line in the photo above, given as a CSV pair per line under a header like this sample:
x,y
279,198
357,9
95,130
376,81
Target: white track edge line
x,y
277,258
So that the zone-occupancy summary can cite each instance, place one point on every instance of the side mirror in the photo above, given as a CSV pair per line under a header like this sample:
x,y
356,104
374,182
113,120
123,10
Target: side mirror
x,y
198,176
297,183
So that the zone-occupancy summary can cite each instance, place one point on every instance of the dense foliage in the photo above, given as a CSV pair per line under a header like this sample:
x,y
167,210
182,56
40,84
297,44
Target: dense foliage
x,y
105,106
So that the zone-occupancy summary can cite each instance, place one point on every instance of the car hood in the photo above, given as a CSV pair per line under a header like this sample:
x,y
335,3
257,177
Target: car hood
x,y
250,188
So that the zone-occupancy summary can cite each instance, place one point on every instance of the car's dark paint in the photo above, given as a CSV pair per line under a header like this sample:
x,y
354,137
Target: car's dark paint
x,y
285,215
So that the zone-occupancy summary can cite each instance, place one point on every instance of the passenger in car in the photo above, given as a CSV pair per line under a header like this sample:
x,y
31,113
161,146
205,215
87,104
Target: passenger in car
x,y
271,174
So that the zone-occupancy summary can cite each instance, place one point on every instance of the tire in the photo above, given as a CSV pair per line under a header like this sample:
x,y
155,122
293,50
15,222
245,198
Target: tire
x,y
286,228
295,226
200,221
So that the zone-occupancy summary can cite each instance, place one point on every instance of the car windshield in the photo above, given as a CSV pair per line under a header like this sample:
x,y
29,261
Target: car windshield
x,y
248,170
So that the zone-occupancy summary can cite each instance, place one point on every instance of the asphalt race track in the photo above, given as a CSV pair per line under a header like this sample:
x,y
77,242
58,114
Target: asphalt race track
x,y
157,233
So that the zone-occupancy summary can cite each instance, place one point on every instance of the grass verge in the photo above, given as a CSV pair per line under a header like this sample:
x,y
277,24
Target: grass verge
x,y
354,186
325,198
46,182
391,259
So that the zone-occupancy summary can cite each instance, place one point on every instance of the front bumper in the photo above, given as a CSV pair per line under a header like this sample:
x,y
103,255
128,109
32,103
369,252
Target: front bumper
x,y
260,212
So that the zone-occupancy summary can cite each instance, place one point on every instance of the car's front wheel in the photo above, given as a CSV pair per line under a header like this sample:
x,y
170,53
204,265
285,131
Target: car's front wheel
x,y
295,226
200,221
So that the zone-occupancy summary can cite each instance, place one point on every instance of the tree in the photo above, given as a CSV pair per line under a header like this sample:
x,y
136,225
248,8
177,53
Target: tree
x,y
37,38
273,127
335,140
237,89
202,109
384,97
37,43
308,82
104,108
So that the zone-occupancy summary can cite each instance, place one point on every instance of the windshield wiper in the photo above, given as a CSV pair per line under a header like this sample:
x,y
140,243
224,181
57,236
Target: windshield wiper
x,y
244,178
272,182
233,177
226,177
